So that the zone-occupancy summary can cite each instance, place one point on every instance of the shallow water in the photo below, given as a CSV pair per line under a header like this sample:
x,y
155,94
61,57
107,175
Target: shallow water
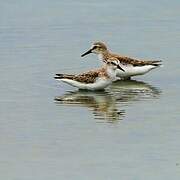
x,y
49,130
110,105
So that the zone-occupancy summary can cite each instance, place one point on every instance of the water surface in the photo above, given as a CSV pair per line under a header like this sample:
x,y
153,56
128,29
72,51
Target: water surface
x,y
53,131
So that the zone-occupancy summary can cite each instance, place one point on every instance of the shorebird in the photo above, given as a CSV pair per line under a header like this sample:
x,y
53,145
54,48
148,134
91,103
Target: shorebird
x,y
94,79
131,66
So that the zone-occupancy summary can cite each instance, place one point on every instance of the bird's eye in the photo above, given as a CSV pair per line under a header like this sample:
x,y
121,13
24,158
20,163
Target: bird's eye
x,y
94,47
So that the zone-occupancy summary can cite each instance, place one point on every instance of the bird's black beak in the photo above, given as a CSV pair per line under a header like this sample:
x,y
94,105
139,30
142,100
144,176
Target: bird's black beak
x,y
119,67
86,53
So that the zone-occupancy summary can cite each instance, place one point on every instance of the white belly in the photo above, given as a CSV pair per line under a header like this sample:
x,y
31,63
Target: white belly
x,y
130,70
98,85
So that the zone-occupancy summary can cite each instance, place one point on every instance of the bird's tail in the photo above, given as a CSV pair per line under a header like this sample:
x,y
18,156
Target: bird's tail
x,y
156,63
63,76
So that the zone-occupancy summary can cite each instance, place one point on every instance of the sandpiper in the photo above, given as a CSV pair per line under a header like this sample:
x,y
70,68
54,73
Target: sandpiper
x,y
131,66
94,79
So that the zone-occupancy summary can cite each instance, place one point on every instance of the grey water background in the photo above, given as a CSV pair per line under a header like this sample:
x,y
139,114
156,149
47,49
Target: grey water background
x,y
130,132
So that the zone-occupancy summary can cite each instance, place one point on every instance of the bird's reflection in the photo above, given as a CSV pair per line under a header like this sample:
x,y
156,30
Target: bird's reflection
x,y
102,103
132,90
109,105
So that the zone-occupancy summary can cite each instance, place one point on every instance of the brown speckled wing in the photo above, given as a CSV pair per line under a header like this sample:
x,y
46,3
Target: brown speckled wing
x,y
127,60
88,77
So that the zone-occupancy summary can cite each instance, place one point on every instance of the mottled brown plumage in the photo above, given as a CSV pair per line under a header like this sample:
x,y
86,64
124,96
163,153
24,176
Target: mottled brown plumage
x,y
127,60
87,77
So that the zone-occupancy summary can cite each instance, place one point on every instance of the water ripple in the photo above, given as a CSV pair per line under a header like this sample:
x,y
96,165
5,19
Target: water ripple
x,y
105,104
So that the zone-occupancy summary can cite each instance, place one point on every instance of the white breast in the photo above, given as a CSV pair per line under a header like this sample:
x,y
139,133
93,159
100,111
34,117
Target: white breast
x,y
100,57
111,73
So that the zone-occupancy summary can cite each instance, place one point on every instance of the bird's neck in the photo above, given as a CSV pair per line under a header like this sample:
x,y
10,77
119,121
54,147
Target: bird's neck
x,y
111,72
103,55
